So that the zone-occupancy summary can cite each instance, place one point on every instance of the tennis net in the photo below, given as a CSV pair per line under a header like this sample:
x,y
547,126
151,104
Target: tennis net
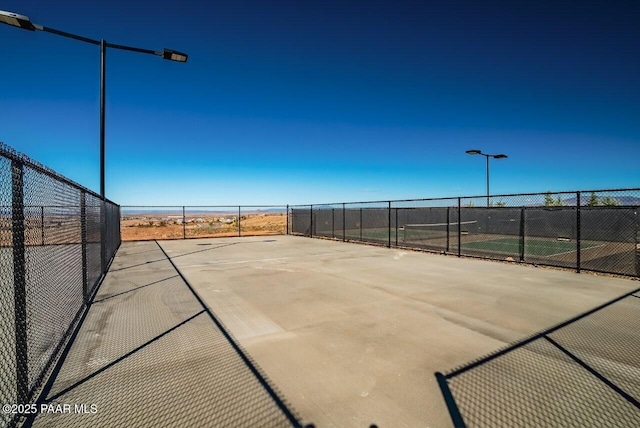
x,y
434,231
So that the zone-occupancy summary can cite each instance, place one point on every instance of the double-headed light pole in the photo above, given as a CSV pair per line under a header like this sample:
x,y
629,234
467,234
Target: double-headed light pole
x,y
23,22
487,156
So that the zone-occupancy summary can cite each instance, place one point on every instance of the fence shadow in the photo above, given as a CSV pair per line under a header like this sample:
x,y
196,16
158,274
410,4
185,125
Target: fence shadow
x,y
150,353
582,372
57,240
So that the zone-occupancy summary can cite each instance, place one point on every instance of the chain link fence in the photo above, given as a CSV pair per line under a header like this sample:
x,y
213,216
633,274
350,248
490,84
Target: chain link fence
x,y
151,353
57,239
140,223
587,230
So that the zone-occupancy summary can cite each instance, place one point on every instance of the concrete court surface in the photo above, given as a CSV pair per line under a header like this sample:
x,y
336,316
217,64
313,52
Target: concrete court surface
x,y
351,334
148,355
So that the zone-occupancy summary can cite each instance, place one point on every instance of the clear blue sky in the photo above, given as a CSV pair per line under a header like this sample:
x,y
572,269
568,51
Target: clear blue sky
x,y
328,101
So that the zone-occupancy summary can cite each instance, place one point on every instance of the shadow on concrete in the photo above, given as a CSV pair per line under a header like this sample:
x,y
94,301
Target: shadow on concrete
x,y
134,289
582,372
206,249
137,265
149,353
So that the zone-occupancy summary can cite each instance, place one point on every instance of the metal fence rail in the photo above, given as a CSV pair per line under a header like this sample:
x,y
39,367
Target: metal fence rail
x,y
595,230
57,239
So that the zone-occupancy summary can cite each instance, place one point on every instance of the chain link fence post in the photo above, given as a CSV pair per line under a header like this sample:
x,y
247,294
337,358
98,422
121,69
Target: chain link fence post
x,y
83,239
184,223
103,236
239,222
344,222
396,226
287,219
448,230
522,233
19,281
578,232
119,242
389,245
333,223
459,227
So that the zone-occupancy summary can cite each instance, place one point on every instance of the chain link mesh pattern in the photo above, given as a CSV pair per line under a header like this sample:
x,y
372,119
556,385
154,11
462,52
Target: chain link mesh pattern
x,y
143,223
8,380
54,279
594,230
585,373
148,354
93,232
300,219
51,236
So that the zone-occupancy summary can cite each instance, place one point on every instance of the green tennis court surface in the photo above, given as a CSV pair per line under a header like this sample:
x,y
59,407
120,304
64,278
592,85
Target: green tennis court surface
x,y
510,244
532,247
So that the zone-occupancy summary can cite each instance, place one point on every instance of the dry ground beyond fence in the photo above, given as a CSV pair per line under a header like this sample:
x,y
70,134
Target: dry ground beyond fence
x,y
145,227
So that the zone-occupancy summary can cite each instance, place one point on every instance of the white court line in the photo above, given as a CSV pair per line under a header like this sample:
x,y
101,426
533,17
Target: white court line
x,y
545,246
574,251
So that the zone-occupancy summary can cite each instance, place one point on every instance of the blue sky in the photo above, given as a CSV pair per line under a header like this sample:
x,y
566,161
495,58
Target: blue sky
x,y
310,102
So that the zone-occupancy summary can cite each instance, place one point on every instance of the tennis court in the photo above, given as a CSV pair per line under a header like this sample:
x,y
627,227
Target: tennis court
x,y
353,335
532,246
331,333
424,235
576,236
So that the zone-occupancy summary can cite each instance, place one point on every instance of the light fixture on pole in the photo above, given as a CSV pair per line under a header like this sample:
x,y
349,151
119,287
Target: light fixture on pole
x,y
487,156
21,21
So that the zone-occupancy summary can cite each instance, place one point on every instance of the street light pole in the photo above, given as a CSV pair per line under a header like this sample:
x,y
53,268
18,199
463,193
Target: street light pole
x,y
487,156
103,92
21,21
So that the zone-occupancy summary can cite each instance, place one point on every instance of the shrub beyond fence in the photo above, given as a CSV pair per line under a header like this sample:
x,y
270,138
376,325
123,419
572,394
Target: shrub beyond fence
x,y
591,230
57,239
